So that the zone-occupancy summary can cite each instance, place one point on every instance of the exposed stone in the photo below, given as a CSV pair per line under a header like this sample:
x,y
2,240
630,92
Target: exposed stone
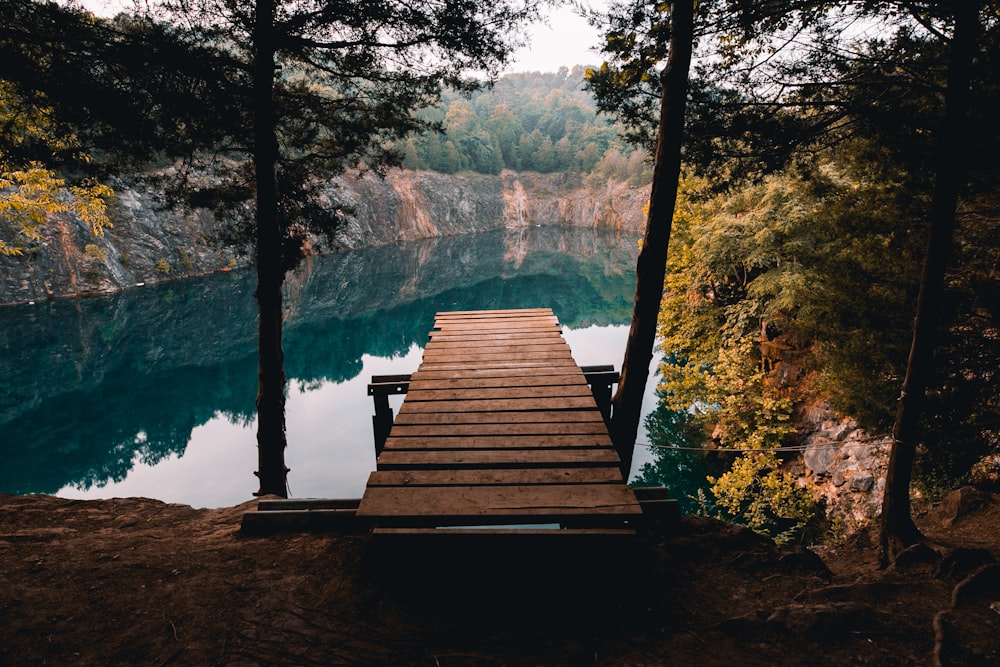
x,y
820,456
843,471
863,482
844,466
957,504
151,242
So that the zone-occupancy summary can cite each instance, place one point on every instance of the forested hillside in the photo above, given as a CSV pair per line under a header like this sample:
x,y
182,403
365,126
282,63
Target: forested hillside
x,y
833,253
532,121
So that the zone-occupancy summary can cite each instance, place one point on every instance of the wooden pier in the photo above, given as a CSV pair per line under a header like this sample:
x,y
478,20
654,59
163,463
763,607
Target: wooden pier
x,y
499,433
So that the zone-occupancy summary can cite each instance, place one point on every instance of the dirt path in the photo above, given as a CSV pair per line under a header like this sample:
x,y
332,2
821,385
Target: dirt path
x,y
136,581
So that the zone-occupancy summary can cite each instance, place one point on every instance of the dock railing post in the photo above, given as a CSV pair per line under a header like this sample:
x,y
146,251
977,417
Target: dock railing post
x,y
379,389
600,379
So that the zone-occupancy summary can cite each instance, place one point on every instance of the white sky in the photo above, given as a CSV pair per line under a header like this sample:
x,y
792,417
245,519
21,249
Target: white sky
x,y
567,40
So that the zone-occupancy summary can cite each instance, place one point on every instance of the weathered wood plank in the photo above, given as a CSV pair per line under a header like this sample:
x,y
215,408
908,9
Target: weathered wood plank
x,y
456,430
472,359
512,312
517,417
507,477
522,325
498,458
428,372
488,352
527,346
496,317
497,382
552,391
473,502
500,405
524,367
308,504
499,427
395,442
508,323
485,335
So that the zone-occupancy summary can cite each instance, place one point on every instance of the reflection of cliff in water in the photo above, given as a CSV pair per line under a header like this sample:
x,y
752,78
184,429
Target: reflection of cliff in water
x,y
91,385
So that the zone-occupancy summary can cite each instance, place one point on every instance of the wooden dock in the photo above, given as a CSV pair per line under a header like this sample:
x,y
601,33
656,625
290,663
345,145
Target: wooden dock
x,y
498,433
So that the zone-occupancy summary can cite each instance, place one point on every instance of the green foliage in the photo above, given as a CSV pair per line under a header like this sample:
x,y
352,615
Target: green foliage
x,y
804,272
756,492
805,282
162,266
674,434
30,193
187,261
529,121
131,90
776,290
94,252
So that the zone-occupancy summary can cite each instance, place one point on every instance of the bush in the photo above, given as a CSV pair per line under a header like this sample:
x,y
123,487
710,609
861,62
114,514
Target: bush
x,y
95,253
758,493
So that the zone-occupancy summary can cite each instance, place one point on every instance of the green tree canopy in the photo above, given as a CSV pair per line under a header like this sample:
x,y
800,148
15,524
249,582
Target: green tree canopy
x,y
30,192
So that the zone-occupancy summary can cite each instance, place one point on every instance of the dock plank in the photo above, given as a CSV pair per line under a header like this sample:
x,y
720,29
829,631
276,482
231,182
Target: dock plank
x,y
509,429
474,502
499,405
497,382
499,426
515,417
505,441
458,373
419,393
498,458
505,477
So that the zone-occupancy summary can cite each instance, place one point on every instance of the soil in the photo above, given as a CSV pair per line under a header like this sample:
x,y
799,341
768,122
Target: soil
x,y
136,581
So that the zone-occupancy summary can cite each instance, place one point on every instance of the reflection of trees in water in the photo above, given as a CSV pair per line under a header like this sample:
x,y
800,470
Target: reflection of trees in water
x,y
92,385
680,470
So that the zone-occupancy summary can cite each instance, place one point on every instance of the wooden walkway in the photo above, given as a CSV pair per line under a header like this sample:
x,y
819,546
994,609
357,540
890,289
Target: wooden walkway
x,y
498,433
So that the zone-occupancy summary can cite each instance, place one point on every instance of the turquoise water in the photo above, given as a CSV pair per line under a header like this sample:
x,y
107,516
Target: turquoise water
x,y
151,392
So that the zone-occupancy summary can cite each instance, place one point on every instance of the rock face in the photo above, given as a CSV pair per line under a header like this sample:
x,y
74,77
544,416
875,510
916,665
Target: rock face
x,y
152,243
842,464
406,205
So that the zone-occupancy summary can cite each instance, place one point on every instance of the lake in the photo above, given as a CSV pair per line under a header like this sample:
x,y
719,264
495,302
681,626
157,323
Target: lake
x,y
151,392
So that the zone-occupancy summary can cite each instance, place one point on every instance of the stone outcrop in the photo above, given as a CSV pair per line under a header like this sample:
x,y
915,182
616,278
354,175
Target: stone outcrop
x,y
151,242
842,464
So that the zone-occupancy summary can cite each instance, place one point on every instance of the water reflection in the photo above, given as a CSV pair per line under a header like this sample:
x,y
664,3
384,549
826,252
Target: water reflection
x,y
672,462
151,392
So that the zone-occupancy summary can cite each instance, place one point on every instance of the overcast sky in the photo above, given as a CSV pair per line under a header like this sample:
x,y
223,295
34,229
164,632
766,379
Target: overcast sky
x,y
566,40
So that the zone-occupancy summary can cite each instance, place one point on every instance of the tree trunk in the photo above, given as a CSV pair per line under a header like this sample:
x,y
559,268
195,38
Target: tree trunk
x,y
270,276
651,264
897,530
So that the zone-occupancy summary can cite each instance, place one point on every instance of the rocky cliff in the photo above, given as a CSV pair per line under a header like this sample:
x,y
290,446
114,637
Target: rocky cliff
x,y
150,242
842,464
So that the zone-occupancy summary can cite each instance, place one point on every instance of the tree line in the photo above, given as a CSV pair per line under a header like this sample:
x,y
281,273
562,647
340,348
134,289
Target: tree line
x,y
827,193
531,121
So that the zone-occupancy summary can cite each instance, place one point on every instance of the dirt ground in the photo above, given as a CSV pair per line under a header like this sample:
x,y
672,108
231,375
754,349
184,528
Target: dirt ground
x,y
140,582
